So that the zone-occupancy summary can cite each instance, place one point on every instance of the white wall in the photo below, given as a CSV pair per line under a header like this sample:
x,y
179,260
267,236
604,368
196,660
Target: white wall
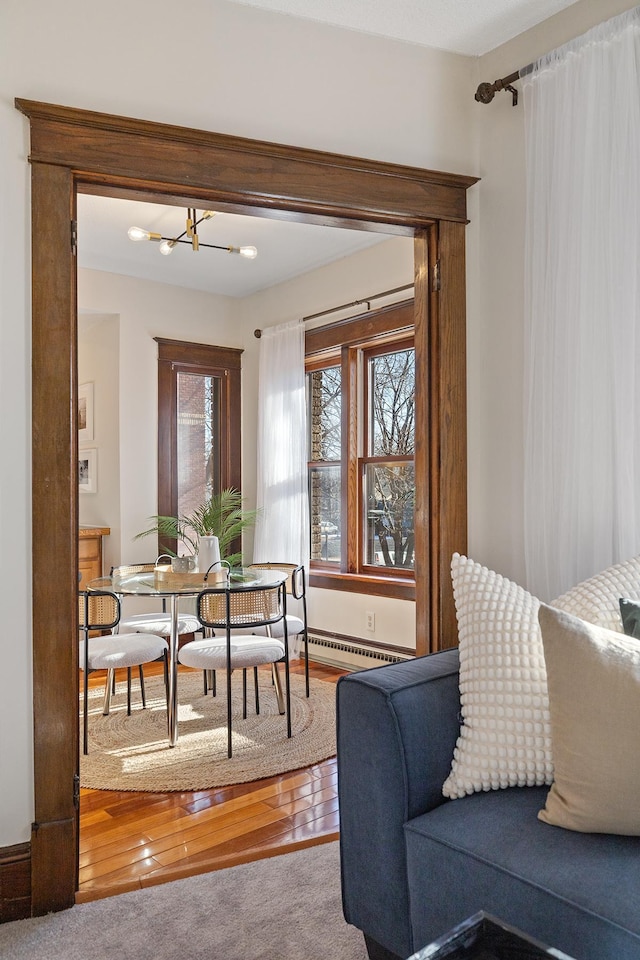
x,y
382,267
147,310
99,364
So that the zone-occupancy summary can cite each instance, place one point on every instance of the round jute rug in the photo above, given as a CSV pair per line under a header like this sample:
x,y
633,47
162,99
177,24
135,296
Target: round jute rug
x,y
133,753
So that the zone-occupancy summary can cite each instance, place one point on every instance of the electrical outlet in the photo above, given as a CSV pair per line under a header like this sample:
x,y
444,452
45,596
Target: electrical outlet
x,y
371,620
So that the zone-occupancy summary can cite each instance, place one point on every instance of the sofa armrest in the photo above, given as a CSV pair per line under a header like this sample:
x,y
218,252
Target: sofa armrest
x,y
397,728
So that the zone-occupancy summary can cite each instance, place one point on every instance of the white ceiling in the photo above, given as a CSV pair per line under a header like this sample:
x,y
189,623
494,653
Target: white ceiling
x,y
471,27
285,249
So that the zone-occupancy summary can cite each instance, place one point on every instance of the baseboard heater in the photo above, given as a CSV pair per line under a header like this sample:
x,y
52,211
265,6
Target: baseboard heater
x,y
351,653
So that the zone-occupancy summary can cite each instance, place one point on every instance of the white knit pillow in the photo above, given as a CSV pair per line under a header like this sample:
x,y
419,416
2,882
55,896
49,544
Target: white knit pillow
x,y
505,737
597,600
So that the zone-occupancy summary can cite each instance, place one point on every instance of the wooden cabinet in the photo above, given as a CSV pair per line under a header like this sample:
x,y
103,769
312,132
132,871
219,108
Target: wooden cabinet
x,y
90,553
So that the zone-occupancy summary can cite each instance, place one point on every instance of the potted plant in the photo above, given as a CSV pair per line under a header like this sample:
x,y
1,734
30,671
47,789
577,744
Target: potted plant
x,y
221,516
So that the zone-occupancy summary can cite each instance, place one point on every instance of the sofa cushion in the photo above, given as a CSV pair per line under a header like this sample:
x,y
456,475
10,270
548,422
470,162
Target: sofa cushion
x,y
505,737
594,697
596,599
575,892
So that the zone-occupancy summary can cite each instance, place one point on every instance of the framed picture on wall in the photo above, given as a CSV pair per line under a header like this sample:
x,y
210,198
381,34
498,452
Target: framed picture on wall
x,y
85,413
88,471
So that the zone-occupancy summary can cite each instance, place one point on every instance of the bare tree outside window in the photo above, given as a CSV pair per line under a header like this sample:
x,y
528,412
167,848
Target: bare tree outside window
x,y
385,426
388,468
325,474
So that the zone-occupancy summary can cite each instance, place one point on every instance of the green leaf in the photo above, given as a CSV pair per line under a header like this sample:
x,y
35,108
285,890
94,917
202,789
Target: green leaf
x,y
221,516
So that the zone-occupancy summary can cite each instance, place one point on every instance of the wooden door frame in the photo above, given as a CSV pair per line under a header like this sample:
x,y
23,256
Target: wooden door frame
x,y
75,150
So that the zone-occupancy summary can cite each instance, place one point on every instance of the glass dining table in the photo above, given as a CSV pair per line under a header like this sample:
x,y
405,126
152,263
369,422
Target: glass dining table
x,y
174,586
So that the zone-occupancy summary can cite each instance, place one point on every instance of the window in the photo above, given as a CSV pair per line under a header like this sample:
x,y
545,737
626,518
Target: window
x,y
197,438
388,473
361,443
324,416
199,427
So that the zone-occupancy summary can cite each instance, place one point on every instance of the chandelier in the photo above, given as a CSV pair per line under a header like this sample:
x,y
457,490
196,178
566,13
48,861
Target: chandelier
x,y
167,244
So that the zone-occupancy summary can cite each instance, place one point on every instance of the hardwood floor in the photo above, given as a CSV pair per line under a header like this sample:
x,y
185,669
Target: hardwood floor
x,y
131,840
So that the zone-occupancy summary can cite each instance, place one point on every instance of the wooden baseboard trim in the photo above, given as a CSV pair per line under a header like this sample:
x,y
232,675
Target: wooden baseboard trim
x,y
15,882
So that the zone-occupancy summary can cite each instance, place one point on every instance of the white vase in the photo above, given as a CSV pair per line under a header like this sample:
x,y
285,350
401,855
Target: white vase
x,y
208,554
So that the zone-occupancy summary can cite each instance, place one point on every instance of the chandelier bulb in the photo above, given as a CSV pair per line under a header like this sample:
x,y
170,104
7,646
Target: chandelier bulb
x,y
166,247
249,252
137,234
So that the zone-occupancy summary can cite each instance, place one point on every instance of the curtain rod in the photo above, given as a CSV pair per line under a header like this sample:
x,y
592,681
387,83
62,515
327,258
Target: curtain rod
x,y
345,306
487,91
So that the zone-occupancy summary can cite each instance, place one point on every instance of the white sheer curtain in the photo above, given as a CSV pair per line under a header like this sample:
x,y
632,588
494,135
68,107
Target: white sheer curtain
x,y
282,530
582,307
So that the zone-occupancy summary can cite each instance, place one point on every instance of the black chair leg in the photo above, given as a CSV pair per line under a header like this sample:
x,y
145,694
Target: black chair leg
x,y
257,693
204,678
287,685
244,694
229,733
306,660
142,690
128,691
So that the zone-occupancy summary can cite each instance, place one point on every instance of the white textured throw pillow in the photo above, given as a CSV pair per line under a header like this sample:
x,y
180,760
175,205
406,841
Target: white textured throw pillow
x,y
597,600
505,737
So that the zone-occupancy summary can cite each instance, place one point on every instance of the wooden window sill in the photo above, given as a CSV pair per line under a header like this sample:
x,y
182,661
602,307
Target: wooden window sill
x,y
401,588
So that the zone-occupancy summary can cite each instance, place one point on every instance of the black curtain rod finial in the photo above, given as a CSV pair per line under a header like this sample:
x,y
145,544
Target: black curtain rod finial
x,y
487,91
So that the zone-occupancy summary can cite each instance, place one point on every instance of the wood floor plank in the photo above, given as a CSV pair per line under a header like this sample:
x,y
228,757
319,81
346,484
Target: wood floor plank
x,y
129,840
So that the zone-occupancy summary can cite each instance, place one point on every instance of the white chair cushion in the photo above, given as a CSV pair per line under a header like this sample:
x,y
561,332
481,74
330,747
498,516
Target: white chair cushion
x,y
159,623
246,651
294,627
122,650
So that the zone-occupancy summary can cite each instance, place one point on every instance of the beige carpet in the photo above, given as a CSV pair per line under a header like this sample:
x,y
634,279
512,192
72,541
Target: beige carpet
x,y
133,753
285,908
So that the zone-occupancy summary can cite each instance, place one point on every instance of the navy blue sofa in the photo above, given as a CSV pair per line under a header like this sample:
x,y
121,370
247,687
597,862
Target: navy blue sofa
x,y
415,864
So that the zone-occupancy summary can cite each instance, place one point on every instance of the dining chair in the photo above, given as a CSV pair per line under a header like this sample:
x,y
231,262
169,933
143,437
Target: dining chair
x,y
100,610
243,610
297,588
156,623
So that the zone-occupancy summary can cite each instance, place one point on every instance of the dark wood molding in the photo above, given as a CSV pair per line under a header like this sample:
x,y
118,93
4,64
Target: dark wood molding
x,y
74,149
204,354
55,533
218,166
15,882
398,588
359,329
449,435
425,246
223,362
